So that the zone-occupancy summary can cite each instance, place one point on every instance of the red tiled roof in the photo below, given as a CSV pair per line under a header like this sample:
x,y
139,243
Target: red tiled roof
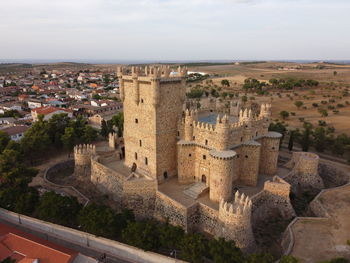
x,y
15,129
48,109
25,247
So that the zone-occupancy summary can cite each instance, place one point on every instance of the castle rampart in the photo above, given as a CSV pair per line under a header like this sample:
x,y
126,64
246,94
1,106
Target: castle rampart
x,y
82,156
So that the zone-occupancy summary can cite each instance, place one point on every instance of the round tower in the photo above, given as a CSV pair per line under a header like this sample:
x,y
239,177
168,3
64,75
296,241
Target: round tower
x,y
82,159
269,153
223,131
235,222
265,114
221,175
189,119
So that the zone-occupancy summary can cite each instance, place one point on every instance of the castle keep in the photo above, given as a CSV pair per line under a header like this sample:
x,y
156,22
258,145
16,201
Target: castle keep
x,y
214,177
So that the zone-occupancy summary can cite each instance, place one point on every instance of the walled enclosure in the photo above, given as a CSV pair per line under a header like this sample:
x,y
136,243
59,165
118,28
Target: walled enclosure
x,y
162,142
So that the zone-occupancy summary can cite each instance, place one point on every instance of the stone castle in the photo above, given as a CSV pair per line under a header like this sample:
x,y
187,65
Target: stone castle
x,y
218,177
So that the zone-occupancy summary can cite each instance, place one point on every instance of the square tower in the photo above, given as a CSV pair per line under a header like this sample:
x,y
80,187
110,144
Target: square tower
x,y
152,107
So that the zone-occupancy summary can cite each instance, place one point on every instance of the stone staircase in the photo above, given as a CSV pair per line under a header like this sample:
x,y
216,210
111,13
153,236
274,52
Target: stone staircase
x,y
195,190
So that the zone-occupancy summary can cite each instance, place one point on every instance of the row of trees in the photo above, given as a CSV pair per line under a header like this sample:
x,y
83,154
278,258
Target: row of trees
x,y
251,84
58,132
319,137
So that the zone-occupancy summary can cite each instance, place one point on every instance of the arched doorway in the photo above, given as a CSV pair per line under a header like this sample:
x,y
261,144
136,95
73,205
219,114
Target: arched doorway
x,y
165,174
204,179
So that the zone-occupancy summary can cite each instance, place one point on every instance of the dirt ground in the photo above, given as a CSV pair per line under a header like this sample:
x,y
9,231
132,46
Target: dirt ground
x,y
316,241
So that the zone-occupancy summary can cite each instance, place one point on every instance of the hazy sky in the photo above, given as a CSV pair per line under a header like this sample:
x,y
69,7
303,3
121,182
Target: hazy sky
x,y
174,29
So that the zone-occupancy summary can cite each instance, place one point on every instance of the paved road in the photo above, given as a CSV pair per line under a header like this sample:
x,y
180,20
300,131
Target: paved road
x,y
83,250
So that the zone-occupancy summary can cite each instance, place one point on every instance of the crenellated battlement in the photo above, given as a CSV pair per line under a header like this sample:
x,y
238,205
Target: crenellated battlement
x,y
240,208
151,72
204,126
84,149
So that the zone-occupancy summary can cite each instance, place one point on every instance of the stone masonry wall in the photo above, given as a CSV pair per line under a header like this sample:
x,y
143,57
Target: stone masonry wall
x,y
269,156
140,196
168,209
107,180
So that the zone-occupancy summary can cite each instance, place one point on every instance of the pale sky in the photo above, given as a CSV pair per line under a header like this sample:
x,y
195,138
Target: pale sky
x,y
175,29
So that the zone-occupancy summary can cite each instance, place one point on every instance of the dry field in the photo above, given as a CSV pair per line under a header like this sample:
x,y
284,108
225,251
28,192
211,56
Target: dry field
x,y
331,87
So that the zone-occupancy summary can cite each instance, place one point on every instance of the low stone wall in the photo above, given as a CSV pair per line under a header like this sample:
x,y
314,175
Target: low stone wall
x,y
140,196
107,180
332,174
110,247
167,208
208,219
318,209
69,189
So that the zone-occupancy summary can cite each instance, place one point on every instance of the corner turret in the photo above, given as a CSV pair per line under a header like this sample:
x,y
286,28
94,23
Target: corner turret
x,y
82,159
235,221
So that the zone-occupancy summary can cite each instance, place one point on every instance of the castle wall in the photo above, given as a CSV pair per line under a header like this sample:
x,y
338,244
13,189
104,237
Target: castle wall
x,y
207,219
107,180
202,165
274,197
248,163
168,209
222,171
304,171
269,155
186,163
139,195
139,121
82,156
152,109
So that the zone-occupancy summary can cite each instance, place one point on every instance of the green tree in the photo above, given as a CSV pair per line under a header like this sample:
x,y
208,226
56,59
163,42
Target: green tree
x,y
4,140
305,139
260,258
36,140
90,134
104,129
319,139
170,236
99,220
298,103
118,121
291,141
225,83
280,128
62,210
284,114
225,251
143,235
244,99
69,139
194,247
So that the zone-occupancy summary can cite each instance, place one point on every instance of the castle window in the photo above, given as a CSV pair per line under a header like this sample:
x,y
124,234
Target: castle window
x,y
165,174
136,121
189,155
141,100
273,148
237,156
206,142
194,137
256,134
140,143
246,156
146,161
135,156
178,133
241,139
204,157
